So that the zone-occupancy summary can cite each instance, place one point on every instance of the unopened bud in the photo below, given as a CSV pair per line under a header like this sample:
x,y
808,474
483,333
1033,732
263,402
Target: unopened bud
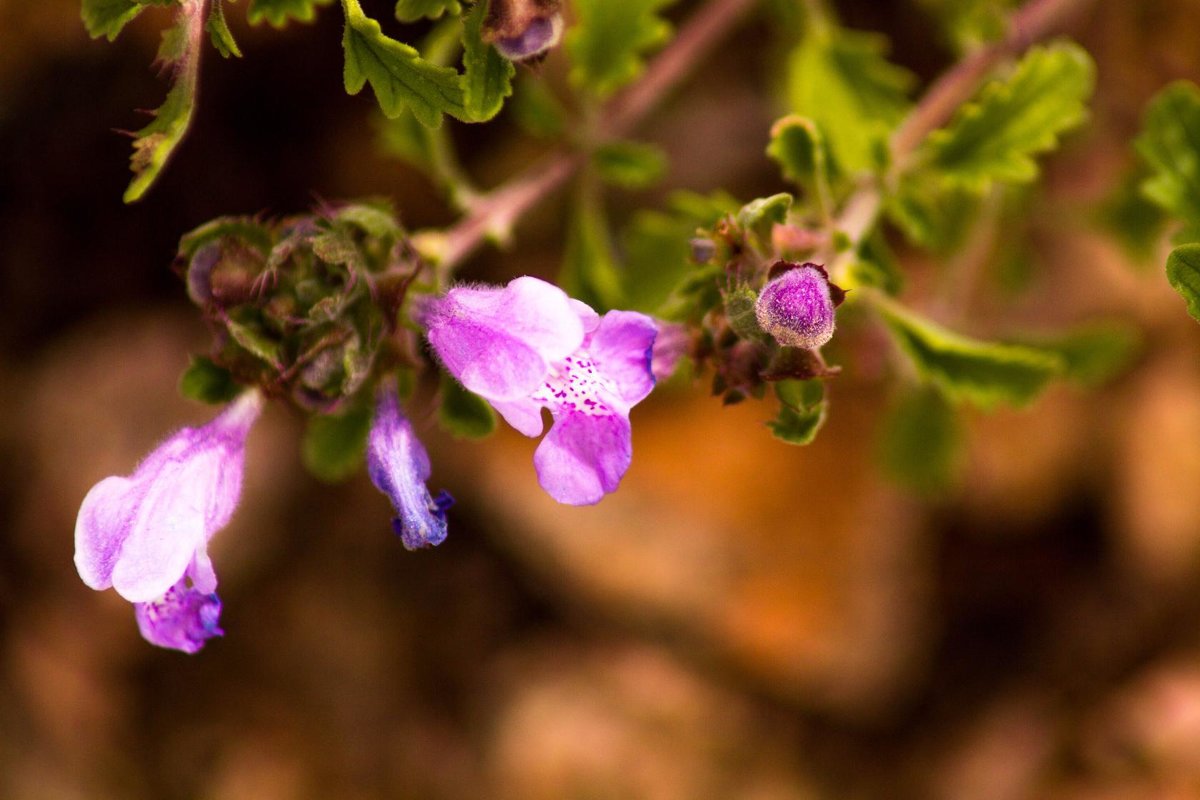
x,y
796,307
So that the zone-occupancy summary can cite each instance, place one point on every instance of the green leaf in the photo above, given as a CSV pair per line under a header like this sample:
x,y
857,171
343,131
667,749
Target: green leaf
x,y
932,214
840,79
107,17
279,12
921,442
218,31
970,23
537,110
334,446
874,265
1133,219
801,413
589,270
488,75
206,382
413,10
400,77
964,369
1183,272
254,341
798,146
995,136
1094,353
1170,145
759,216
608,41
463,413
631,165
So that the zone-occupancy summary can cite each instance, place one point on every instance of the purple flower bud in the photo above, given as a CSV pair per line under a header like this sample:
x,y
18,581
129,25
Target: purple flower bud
x,y
796,307
523,29
147,535
399,466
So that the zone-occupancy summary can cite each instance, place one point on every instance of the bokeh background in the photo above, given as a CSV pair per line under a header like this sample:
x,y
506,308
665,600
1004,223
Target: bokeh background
x,y
741,620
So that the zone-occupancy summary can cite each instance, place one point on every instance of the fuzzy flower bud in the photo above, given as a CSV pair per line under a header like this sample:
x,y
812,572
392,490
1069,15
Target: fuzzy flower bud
x,y
797,306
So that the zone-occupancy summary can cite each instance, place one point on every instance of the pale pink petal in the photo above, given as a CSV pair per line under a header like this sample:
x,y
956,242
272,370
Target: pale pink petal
x,y
101,527
583,457
622,347
524,414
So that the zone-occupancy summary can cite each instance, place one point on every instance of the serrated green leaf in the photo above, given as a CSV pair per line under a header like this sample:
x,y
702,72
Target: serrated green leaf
x,y
537,110
840,79
205,382
107,17
1094,353
921,442
464,414
280,12
802,411
932,214
334,445
397,73
798,146
1183,272
995,136
218,31
1170,145
589,270
967,24
632,165
413,10
487,77
982,373
610,37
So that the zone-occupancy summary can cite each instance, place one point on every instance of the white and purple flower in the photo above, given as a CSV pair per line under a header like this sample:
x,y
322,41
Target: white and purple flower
x,y
527,346
399,467
146,535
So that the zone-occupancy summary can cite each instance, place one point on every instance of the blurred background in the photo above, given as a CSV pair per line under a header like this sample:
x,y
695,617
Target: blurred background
x,y
743,619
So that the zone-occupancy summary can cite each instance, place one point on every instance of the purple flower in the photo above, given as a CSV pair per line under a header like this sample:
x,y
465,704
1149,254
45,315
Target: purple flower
x,y
147,535
528,346
797,306
540,35
399,466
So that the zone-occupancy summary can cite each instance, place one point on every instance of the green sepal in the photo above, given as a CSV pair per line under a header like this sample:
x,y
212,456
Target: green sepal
x,y
206,382
920,446
1183,272
1170,145
739,312
996,136
464,414
413,10
608,41
802,411
397,73
631,165
279,12
984,374
334,444
487,75
219,33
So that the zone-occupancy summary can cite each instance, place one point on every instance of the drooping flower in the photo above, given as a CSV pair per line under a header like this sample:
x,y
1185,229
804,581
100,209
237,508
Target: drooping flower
x,y
399,467
797,306
146,535
527,346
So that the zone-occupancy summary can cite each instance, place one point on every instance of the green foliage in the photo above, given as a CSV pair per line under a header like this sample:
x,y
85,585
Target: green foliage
x,y
487,78
537,110
107,17
921,441
964,369
1132,218
798,146
970,23
464,414
400,77
1094,353
802,411
611,36
932,214
874,265
1183,271
334,445
759,216
590,271
1170,145
995,136
840,80
279,12
413,10
632,165
205,382
218,31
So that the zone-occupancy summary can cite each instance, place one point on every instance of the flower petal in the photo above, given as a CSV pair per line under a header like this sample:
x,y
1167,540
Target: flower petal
x,y
524,414
622,347
583,457
182,619
101,527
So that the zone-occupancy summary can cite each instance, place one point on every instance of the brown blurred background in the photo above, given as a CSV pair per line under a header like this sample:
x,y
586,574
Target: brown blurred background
x,y
741,620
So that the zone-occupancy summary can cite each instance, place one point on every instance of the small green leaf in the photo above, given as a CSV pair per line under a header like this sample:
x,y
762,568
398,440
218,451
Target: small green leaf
x,y
413,10
631,165
801,413
608,41
1133,219
921,442
760,216
400,77
537,110
1094,353
334,445
206,382
995,136
254,341
107,17
589,270
464,414
218,31
982,373
487,78
1170,145
375,221
279,12
798,146
1183,271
